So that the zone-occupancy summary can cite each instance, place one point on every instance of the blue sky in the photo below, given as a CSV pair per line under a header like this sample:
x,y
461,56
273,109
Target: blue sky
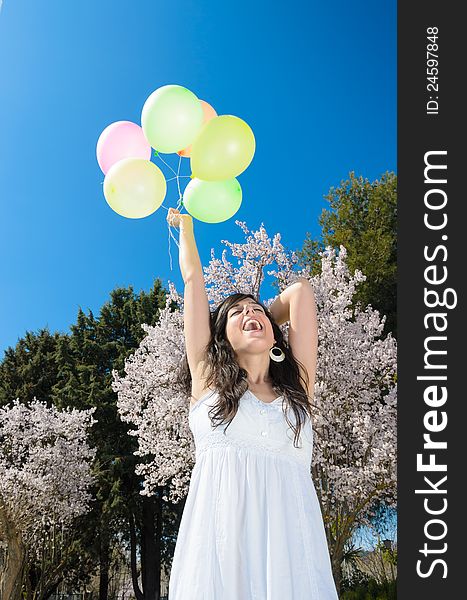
x,y
315,81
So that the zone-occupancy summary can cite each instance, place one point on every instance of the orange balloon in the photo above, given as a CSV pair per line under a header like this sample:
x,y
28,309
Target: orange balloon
x,y
208,114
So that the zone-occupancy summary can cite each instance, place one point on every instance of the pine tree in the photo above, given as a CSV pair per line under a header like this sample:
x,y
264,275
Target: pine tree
x,y
29,369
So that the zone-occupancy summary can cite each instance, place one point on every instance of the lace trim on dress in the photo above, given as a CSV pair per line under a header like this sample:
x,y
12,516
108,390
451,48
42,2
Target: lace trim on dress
x,y
248,394
216,439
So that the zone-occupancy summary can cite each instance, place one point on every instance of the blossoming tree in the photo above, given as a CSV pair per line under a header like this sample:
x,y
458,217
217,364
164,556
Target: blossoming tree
x,y
354,420
45,473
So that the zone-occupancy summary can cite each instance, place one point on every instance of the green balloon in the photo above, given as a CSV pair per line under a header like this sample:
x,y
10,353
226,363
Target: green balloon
x,y
172,117
212,201
223,149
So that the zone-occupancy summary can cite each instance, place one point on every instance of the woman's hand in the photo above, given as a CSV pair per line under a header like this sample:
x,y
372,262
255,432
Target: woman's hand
x,y
176,219
190,264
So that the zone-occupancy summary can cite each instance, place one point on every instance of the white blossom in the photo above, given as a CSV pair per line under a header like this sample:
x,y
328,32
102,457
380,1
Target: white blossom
x,y
45,468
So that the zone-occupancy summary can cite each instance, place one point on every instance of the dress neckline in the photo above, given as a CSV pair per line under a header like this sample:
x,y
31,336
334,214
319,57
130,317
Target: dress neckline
x,y
262,401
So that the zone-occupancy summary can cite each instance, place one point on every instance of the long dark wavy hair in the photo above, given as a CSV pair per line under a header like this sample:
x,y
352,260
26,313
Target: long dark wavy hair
x,y
223,373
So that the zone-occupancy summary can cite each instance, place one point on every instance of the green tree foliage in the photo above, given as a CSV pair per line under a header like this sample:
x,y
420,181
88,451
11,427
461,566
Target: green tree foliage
x,y
363,218
362,586
30,368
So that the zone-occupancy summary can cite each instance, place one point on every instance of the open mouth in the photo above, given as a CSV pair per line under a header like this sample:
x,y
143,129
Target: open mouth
x,y
252,325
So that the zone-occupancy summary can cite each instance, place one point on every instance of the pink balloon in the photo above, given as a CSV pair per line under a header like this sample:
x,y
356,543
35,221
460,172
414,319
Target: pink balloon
x,y
122,139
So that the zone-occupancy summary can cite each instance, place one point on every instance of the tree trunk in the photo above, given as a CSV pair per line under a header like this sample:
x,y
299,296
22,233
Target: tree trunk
x,y
133,564
150,558
13,568
336,563
104,565
158,539
180,507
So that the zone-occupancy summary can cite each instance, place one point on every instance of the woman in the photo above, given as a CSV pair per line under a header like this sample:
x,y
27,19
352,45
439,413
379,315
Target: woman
x,y
251,528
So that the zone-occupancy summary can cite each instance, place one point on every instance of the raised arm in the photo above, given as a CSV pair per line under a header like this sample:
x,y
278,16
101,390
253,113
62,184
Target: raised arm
x,y
196,306
297,305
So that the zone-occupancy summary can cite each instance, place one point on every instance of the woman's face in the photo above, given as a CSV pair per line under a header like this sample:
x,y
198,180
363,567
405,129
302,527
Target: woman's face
x,y
248,328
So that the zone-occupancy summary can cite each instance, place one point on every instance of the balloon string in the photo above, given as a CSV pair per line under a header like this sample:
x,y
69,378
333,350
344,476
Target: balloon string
x,y
179,176
171,235
166,164
178,181
170,254
179,202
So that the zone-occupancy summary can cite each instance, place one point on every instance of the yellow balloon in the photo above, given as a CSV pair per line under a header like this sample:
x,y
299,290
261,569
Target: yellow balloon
x,y
223,149
134,187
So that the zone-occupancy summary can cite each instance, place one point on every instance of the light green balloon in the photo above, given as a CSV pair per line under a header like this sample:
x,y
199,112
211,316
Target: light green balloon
x,y
212,201
223,149
134,187
171,118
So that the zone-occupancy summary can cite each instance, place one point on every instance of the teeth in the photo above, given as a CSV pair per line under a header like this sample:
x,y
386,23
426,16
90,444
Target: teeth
x,y
257,323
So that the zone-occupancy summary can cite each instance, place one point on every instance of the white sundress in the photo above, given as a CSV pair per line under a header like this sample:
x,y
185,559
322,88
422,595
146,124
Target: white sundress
x,y
252,527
